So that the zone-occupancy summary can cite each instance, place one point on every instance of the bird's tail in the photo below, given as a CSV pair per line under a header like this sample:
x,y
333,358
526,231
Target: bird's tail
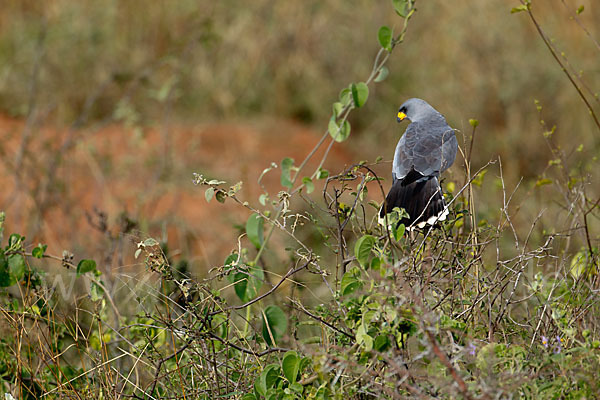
x,y
422,200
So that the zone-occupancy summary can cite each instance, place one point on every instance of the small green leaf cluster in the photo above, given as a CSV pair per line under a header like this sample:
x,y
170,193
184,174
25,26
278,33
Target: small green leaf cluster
x,y
12,261
404,8
214,188
280,381
246,280
354,96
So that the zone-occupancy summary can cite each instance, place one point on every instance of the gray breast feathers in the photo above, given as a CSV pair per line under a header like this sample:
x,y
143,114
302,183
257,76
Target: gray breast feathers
x,y
428,149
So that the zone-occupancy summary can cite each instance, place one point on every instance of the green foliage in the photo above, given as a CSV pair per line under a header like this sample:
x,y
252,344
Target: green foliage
x,y
209,193
255,230
39,250
322,173
339,132
522,7
12,262
385,36
360,93
6,277
308,184
351,281
85,266
16,264
543,181
382,74
290,365
363,248
403,7
274,324
286,167
247,282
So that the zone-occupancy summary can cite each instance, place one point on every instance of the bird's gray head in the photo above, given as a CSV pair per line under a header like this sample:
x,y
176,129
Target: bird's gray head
x,y
417,109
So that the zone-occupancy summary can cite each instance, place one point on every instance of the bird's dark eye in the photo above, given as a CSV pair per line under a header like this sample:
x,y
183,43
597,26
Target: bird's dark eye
x,y
403,109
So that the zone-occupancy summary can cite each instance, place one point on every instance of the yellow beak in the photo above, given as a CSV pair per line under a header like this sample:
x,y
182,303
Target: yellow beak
x,y
401,116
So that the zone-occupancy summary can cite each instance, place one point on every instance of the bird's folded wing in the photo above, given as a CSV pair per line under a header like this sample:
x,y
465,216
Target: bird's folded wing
x,y
420,148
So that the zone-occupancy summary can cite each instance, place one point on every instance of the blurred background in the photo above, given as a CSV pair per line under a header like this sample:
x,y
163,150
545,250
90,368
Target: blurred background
x,y
107,108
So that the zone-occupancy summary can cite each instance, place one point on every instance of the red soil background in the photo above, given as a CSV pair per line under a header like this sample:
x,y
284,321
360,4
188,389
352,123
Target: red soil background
x,y
147,177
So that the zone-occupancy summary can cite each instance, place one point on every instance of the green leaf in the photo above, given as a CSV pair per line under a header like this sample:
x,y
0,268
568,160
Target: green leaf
x,y
274,324
450,187
350,282
360,93
345,96
402,7
16,264
269,376
339,133
478,180
6,278
234,189
520,8
249,396
209,193
86,266
580,9
392,218
579,263
382,343
337,108
297,387
248,283
542,182
333,127
14,240
291,366
310,186
231,261
150,242
259,387
39,251
448,323
383,73
96,292
255,230
375,263
322,174
262,199
286,167
385,36
344,132
399,231
362,249
363,338
220,196
324,393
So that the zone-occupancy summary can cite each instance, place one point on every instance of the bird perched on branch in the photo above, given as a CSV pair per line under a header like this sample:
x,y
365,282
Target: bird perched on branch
x,y
427,148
